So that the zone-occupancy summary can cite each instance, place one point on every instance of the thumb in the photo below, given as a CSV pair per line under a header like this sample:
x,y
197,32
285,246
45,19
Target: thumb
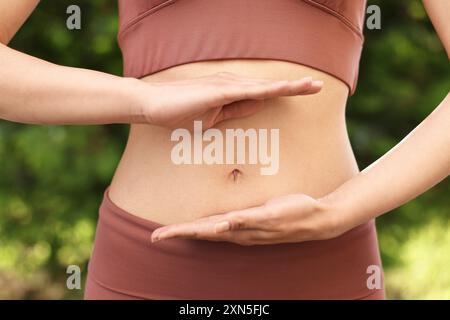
x,y
240,109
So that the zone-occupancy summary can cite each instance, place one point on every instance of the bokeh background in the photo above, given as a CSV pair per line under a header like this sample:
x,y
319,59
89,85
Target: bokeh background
x,y
52,177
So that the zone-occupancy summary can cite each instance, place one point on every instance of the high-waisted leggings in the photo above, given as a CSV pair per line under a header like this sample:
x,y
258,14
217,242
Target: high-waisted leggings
x,y
126,265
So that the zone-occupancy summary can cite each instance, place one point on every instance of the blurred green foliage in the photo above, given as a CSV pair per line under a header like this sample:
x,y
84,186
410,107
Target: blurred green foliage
x,y
52,177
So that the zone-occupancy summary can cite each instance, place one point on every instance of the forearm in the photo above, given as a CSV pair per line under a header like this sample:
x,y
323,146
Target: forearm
x,y
39,92
418,162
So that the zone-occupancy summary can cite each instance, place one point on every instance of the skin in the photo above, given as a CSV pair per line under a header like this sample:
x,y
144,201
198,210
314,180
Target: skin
x,y
315,153
38,92
35,91
386,184
389,182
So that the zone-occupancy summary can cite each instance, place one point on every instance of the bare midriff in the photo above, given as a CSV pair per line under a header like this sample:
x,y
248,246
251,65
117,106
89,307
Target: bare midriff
x,y
315,155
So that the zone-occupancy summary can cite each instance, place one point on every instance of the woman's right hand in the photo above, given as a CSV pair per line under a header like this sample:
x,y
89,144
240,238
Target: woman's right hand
x,y
213,98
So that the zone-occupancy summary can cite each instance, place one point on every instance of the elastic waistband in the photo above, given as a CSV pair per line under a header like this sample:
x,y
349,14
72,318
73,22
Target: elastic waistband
x,y
125,260
126,216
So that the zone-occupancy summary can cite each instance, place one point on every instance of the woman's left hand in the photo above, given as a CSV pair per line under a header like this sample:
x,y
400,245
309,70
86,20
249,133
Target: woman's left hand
x,y
291,218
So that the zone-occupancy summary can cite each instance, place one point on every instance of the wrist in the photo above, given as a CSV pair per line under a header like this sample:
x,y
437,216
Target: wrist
x,y
137,100
339,219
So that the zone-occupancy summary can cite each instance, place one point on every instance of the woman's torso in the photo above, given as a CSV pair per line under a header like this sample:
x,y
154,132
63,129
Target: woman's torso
x,y
315,155
254,38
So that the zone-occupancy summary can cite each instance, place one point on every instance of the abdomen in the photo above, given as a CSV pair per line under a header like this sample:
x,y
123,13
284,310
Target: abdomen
x,y
313,155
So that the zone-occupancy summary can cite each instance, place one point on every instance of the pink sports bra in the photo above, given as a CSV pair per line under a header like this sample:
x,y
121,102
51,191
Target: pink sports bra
x,y
323,34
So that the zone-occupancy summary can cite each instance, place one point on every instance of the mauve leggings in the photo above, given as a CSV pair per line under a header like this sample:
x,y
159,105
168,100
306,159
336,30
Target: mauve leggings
x,y
126,265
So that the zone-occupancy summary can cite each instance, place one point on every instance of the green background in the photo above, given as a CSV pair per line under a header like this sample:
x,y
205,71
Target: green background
x,y
52,177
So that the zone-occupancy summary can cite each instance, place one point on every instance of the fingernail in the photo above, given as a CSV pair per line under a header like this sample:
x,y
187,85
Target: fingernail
x,y
222,226
155,238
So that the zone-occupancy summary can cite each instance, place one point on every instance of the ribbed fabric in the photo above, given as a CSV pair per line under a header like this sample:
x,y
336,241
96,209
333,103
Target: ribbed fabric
x,y
323,34
125,264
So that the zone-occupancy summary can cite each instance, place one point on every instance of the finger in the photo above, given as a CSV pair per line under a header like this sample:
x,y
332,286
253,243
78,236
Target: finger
x,y
299,87
272,90
190,233
252,81
241,237
255,218
193,229
235,91
249,237
316,86
281,88
212,227
245,108
240,79
181,230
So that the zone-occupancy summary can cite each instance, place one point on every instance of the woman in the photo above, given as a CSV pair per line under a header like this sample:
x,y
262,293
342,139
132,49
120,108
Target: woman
x,y
260,228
